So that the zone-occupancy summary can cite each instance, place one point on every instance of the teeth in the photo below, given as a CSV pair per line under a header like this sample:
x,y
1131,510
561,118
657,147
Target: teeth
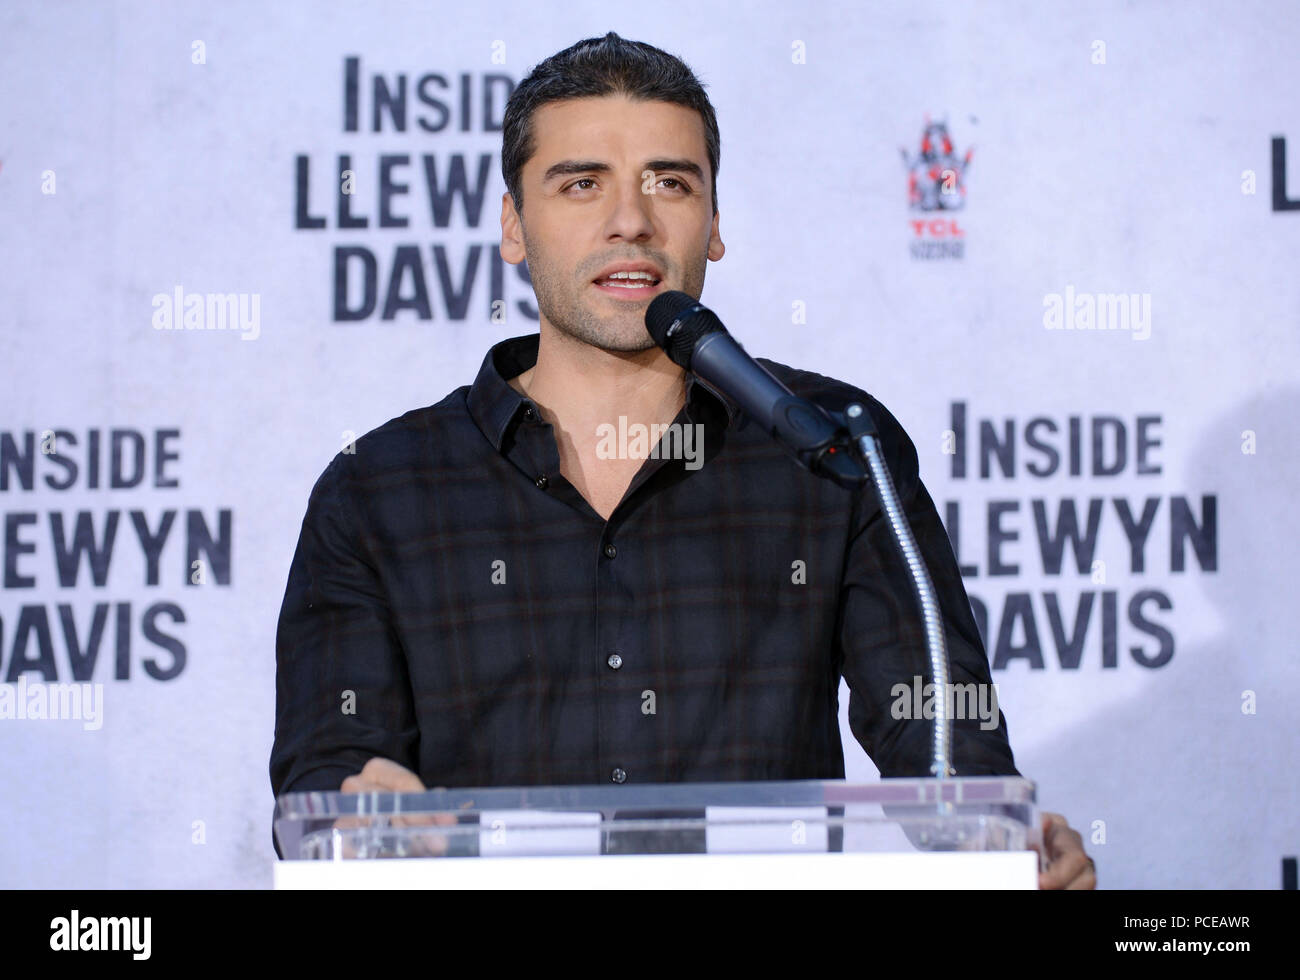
x,y
630,275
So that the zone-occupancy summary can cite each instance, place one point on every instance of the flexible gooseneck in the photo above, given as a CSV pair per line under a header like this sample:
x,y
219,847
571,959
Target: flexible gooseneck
x,y
863,430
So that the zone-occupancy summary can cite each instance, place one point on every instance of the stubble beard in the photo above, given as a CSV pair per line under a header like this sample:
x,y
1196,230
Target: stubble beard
x,y
575,315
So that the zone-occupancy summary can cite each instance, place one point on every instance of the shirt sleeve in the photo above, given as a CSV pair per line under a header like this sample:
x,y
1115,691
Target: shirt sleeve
x,y
342,689
882,637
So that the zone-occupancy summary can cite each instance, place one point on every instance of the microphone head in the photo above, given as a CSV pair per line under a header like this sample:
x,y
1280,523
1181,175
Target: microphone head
x,y
677,321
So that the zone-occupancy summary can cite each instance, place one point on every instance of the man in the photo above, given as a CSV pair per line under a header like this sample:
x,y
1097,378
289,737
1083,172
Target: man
x,y
490,592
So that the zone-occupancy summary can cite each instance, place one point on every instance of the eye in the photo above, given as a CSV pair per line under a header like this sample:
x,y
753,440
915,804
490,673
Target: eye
x,y
580,180
678,184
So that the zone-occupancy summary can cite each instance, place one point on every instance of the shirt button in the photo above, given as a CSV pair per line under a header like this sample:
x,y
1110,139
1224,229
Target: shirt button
x,y
541,481
610,551
528,412
615,661
618,776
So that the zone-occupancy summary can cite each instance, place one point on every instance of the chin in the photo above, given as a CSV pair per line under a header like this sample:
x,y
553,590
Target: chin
x,y
632,342
615,338
630,345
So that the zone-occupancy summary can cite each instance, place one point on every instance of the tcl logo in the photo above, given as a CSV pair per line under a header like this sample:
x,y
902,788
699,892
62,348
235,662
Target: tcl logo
x,y
936,228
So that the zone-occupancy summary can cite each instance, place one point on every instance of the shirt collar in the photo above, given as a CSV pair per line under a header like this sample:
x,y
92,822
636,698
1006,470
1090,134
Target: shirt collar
x,y
496,406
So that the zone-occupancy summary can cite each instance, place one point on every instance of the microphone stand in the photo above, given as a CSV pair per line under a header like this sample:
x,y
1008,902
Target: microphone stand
x,y
818,438
862,429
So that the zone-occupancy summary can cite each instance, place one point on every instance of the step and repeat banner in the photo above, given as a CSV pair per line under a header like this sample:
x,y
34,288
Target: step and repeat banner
x,y
1059,244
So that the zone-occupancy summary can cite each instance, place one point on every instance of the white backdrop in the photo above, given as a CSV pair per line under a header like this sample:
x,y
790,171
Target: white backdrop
x,y
148,148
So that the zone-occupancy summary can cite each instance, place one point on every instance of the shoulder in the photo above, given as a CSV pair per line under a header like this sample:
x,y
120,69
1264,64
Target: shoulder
x,y
836,395
401,446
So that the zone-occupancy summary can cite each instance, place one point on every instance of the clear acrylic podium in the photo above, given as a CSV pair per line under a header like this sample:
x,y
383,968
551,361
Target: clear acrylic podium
x,y
964,832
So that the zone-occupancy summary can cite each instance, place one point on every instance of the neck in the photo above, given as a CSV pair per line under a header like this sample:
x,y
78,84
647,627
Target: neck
x,y
578,388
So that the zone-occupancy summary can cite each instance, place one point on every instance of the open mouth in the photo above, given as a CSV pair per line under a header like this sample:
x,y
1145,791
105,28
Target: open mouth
x,y
629,285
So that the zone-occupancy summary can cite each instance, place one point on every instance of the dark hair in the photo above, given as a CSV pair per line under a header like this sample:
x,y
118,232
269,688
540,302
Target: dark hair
x,y
599,66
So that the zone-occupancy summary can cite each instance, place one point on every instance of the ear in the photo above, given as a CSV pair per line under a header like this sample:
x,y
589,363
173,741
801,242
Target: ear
x,y
716,248
512,232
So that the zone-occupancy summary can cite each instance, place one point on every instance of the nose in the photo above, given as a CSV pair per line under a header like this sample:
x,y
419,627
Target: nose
x,y
631,215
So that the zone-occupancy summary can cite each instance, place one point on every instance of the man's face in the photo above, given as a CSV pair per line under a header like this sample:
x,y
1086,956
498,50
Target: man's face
x,y
612,181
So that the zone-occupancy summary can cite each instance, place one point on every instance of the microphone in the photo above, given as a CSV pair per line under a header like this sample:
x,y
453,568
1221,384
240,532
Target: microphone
x,y
822,442
694,338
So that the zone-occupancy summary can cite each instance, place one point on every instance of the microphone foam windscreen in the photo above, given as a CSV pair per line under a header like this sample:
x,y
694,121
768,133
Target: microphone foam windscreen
x,y
665,310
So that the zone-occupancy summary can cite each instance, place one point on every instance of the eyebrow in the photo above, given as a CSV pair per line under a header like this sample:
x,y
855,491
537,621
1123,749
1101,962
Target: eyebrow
x,y
567,168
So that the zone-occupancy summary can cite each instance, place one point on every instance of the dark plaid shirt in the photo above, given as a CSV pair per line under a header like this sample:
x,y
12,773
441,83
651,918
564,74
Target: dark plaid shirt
x,y
455,605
